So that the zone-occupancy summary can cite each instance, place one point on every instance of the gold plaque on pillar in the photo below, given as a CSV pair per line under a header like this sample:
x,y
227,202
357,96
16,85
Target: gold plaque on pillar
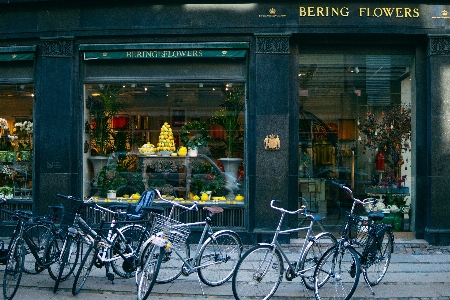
x,y
272,142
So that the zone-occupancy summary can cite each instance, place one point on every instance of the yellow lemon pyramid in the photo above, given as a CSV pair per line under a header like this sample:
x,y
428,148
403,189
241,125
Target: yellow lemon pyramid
x,y
165,140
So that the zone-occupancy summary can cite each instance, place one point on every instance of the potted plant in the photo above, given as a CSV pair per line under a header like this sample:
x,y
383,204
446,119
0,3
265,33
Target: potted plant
x,y
109,180
229,117
102,109
194,135
6,192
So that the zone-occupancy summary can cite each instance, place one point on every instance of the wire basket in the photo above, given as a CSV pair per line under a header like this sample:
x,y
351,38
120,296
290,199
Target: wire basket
x,y
358,230
173,230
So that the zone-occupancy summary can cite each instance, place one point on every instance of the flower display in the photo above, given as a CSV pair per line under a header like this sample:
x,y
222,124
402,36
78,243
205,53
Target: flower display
x,y
23,136
3,124
25,126
195,135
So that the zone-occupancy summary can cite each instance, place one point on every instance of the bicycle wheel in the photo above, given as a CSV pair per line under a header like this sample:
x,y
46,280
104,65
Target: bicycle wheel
x,y
171,264
337,273
35,237
84,269
13,268
53,257
149,271
377,256
72,250
133,234
218,257
258,273
312,254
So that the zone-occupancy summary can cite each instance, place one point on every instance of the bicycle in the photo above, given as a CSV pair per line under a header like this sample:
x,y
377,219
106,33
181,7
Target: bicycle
x,y
102,250
260,270
214,259
339,269
28,244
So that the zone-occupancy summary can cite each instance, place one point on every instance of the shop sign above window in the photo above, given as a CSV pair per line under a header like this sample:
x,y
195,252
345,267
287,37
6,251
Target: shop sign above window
x,y
182,53
168,50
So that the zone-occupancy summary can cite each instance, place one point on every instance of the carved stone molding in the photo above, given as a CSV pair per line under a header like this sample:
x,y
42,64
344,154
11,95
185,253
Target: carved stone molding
x,y
272,44
439,45
57,48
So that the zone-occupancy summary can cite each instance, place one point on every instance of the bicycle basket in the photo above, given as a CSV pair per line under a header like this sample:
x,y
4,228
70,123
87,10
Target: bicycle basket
x,y
358,230
171,229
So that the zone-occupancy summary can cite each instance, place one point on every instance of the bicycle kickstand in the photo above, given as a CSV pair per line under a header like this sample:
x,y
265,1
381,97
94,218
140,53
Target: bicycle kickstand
x,y
370,287
201,287
109,275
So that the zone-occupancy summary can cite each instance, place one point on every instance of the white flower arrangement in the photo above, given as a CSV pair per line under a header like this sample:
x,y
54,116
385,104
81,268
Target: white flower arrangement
x,y
8,171
25,125
13,137
3,124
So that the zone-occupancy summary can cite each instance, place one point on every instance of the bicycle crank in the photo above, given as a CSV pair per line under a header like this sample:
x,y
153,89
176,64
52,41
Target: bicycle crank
x,y
290,272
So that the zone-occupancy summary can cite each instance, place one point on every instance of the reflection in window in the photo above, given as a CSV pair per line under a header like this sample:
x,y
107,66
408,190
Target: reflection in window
x,y
16,140
355,128
145,131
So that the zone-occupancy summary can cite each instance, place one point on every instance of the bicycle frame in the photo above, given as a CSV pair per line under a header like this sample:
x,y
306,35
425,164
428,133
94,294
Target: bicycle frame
x,y
276,245
207,230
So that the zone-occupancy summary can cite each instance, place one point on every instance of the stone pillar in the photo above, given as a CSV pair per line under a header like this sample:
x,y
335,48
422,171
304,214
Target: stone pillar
x,y
272,109
57,126
437,229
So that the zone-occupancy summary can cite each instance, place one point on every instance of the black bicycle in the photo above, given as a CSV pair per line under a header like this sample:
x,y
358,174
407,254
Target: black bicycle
x,y
365,245
30,249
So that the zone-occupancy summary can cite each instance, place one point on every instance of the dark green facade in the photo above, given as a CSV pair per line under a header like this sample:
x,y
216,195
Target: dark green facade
x,y
59,34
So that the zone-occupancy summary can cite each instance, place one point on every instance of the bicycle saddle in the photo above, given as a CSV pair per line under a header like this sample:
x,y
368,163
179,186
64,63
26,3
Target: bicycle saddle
x,y
25,212
213,209
155,209
376,216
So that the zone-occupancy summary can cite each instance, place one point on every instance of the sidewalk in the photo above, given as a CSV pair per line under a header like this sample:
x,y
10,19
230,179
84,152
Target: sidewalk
x,y
417,271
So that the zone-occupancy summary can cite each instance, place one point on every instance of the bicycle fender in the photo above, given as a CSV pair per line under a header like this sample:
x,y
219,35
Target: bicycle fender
x,y
227,231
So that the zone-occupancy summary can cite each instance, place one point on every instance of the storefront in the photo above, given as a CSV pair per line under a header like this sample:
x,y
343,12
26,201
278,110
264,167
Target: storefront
x,y
293,95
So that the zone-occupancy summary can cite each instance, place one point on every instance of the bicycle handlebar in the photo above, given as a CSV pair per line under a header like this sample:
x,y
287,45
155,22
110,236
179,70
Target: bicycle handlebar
x,y
193,207
366,201
284,210
89,202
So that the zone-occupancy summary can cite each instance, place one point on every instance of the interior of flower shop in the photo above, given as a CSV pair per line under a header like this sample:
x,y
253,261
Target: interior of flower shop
x,y
187,138
16,140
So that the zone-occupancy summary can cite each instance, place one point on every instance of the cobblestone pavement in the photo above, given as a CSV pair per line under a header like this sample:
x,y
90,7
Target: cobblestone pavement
x,y
418,271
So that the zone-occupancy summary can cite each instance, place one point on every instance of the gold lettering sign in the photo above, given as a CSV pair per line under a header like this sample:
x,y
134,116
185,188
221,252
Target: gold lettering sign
x,y
375,12
164,54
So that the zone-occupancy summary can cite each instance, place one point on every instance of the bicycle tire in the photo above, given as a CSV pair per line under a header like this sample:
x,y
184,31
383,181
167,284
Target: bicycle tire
x,y
377,256
53,257
220,254
337,273
313,252
84,269
248,282
149,271
171,264
36,238
133,234
13,269
71,251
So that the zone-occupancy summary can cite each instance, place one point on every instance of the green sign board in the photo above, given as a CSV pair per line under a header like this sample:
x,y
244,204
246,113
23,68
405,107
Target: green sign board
x,y
16,56
179,53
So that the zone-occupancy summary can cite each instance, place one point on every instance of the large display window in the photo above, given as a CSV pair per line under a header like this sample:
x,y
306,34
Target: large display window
x,y
16,141
184,138
355,128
